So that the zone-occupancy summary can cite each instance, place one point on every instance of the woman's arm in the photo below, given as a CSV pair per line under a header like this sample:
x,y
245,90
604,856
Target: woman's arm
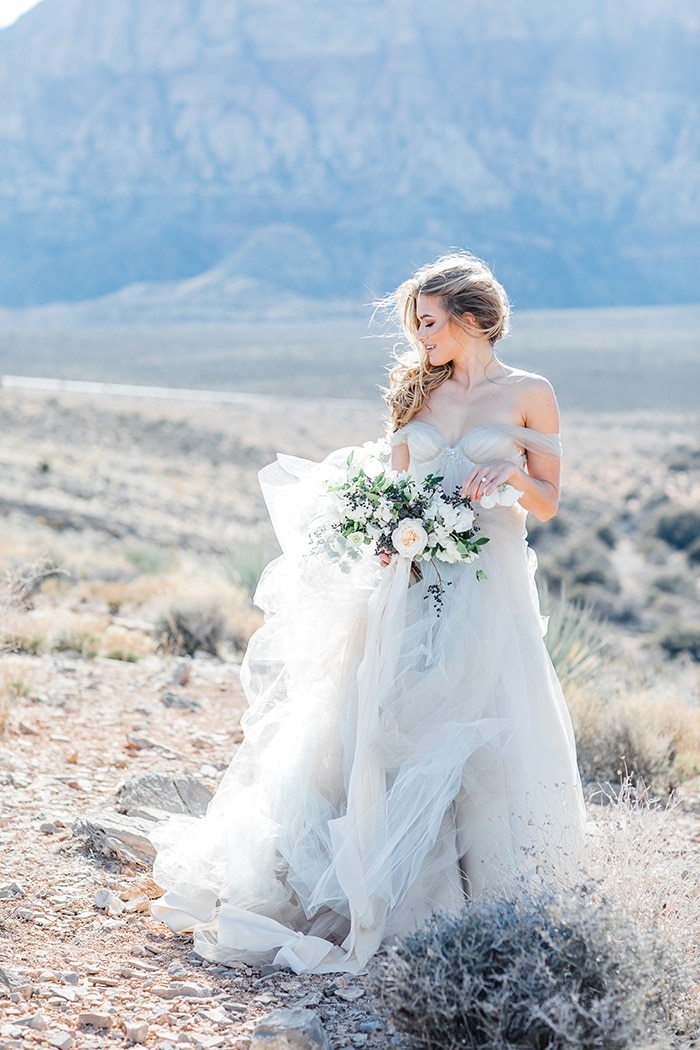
x,y
400,457
540,483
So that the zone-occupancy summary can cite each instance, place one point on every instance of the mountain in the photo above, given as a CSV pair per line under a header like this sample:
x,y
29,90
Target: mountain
x,y
325,149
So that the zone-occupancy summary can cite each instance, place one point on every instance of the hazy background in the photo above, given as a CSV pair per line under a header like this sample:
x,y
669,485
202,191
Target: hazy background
x,y
210,192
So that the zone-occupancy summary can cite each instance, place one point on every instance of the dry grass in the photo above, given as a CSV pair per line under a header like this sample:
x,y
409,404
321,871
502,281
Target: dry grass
x,y
15,682
649,730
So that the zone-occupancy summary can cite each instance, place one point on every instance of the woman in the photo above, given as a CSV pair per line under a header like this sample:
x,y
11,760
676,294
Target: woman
x,y
401,755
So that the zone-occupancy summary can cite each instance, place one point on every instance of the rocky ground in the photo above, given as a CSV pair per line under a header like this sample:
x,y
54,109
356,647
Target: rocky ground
x,y
82,963
141,502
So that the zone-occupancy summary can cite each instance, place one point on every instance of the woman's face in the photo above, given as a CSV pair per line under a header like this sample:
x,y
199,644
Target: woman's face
x,y
442,339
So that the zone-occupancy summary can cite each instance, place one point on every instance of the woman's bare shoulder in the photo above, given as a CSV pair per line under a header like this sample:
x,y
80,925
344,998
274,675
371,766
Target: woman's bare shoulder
x,y
537,401
529,380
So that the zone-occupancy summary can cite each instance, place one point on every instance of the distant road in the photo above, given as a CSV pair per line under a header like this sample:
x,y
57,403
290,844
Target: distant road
x,y
226,397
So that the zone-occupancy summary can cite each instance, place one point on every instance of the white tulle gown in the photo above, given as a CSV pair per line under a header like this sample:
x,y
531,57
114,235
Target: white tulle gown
x,y
397,758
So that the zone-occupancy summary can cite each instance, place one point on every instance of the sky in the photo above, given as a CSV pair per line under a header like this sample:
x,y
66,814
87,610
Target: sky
x,y
10,10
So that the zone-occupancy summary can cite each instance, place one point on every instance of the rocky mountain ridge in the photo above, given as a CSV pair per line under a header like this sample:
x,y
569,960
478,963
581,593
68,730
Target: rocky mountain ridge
x,y
328,150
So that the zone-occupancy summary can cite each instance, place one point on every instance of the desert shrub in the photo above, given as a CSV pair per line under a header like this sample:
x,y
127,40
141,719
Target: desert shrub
x,y
151,561
13,685
24,580
125,655
681,638
539,530
607,535
674,583
649,734
74,640
188,629
541,970
693,552
19,642
683,458
679,527
244,564
616,744
583,565
575,639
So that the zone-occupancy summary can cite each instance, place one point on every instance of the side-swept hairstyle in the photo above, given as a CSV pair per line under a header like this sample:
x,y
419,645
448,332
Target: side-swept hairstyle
x,y
465,285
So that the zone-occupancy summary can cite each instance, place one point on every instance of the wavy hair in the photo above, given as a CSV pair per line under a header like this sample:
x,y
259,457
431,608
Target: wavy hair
x,y
465,285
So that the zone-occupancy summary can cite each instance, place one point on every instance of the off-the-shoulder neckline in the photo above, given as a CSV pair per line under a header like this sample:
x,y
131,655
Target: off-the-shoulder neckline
x,y
510,427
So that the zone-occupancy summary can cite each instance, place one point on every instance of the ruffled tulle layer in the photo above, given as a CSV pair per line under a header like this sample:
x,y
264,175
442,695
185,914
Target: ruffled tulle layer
x,y
397,754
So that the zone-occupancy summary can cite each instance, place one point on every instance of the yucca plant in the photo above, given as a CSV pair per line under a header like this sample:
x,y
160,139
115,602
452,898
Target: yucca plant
x,y
575,639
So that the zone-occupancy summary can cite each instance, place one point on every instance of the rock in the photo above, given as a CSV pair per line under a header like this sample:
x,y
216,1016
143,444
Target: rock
x,y
216,1015
369,1027
9,978
136,1031
142,743
237,1008
137,904
181,988
36,1021
11,889
125,839
60,1039
182,703
295,1029
109,901
48,828
349,995
95,1019
159,791
182,672
28,730
313,998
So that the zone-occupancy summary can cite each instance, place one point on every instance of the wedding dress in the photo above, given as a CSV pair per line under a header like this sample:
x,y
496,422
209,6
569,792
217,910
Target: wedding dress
x,y
399,755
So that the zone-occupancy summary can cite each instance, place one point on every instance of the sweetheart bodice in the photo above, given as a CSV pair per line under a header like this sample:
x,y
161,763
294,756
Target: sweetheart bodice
x,y
430,451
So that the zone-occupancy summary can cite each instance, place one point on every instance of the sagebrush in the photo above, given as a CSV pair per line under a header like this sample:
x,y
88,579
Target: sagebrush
x,y
544,971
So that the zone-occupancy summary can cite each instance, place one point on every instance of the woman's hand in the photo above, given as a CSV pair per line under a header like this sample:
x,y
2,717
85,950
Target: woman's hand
x,y
486,477
385,558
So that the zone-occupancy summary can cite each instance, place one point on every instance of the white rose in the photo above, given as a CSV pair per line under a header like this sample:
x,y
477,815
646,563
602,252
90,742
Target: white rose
x,y
409,538
464,519
504,496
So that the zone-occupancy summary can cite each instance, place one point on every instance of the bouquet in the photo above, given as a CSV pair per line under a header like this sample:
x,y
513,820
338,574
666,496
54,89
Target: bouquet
x,y
396,514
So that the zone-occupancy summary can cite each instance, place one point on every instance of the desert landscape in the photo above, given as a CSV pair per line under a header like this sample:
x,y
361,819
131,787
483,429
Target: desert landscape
x,y
203,206
133,533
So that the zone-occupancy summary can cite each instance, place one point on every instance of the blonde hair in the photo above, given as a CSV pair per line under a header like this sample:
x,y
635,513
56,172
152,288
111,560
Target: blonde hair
x,y
465,285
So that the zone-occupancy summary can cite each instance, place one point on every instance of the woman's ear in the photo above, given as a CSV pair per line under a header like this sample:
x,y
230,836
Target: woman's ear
x,y
469,320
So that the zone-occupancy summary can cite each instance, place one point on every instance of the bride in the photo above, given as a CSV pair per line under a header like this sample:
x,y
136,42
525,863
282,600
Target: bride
x,y
402,755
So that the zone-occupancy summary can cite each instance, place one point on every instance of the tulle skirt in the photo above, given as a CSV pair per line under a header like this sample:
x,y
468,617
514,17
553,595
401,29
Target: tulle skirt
x,y
402,753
